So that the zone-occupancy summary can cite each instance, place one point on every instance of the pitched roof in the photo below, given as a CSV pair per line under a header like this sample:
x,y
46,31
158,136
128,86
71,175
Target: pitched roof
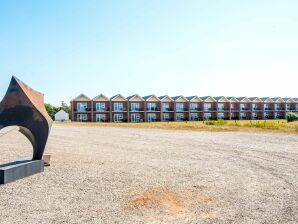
x,y
81,97
165,96
118,95
232,98
150,96
175,98
204,98
217,98
135,95
275,99
190,98
100,96
289,99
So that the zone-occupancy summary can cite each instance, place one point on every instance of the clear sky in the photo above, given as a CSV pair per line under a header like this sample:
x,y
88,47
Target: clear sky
x,y
191,47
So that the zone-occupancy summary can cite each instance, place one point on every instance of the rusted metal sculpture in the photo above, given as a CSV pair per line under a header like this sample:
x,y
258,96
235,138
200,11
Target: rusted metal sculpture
x,y
24,107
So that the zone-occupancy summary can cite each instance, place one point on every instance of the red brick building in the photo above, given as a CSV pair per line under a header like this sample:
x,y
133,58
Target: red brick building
x,y
178,108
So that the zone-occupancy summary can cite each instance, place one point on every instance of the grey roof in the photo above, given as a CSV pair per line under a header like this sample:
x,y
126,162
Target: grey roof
x,y
147,97
286,98
253,98
264,98
129,97
177,97
116,95
241,98
276,98
205,97
190,97
161,97
230,97
219,97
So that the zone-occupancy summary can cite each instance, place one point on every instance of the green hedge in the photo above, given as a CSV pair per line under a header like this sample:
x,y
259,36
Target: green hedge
x,y
292,117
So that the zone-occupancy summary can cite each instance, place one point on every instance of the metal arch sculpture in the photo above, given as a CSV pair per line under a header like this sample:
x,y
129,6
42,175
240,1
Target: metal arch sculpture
x,y
24,107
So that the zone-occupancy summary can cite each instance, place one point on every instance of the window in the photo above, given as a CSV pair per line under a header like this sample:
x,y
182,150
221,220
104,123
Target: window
x,y
135,106
243,106
243,116
193,106
220,116
118,117
255,106
166,117
254,115
82,117
194,117
135,117
179,116
81,107
151,117
100,106
151,106
118,106
165,106
233,106
207,116
100,117
221,106
207,106
277,106
179,106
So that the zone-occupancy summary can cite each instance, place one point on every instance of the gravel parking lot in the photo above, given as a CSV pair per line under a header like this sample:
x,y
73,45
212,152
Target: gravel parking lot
x,y
129,175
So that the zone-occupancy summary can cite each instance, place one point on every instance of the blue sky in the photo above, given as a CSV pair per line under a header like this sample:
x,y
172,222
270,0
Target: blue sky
x,y
190,47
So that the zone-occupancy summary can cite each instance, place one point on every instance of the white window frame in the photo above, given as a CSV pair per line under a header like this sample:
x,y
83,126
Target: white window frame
x,y
194,106
82,117
194,116
118,117
207,106
220,115
207,116
135,106
151,106
179,117
82,107
100,106
165,106
135,117
179,107
165,116
151,117
118,106
100,117
221,106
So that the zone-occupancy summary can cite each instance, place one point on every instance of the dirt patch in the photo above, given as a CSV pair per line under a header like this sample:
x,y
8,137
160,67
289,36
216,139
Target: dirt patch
x,y
162,197
163,201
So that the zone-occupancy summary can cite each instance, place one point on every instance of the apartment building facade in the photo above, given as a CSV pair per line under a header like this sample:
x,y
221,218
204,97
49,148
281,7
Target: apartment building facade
x,y
179,108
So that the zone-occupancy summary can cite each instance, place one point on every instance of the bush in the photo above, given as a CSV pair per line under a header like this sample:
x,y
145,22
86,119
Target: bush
x,y
292,117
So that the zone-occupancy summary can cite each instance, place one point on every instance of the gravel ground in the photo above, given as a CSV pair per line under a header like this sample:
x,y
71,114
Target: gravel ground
x,y
126,175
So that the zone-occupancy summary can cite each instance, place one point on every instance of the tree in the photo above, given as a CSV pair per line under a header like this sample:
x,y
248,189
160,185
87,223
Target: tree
x,y
65,107
52,110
